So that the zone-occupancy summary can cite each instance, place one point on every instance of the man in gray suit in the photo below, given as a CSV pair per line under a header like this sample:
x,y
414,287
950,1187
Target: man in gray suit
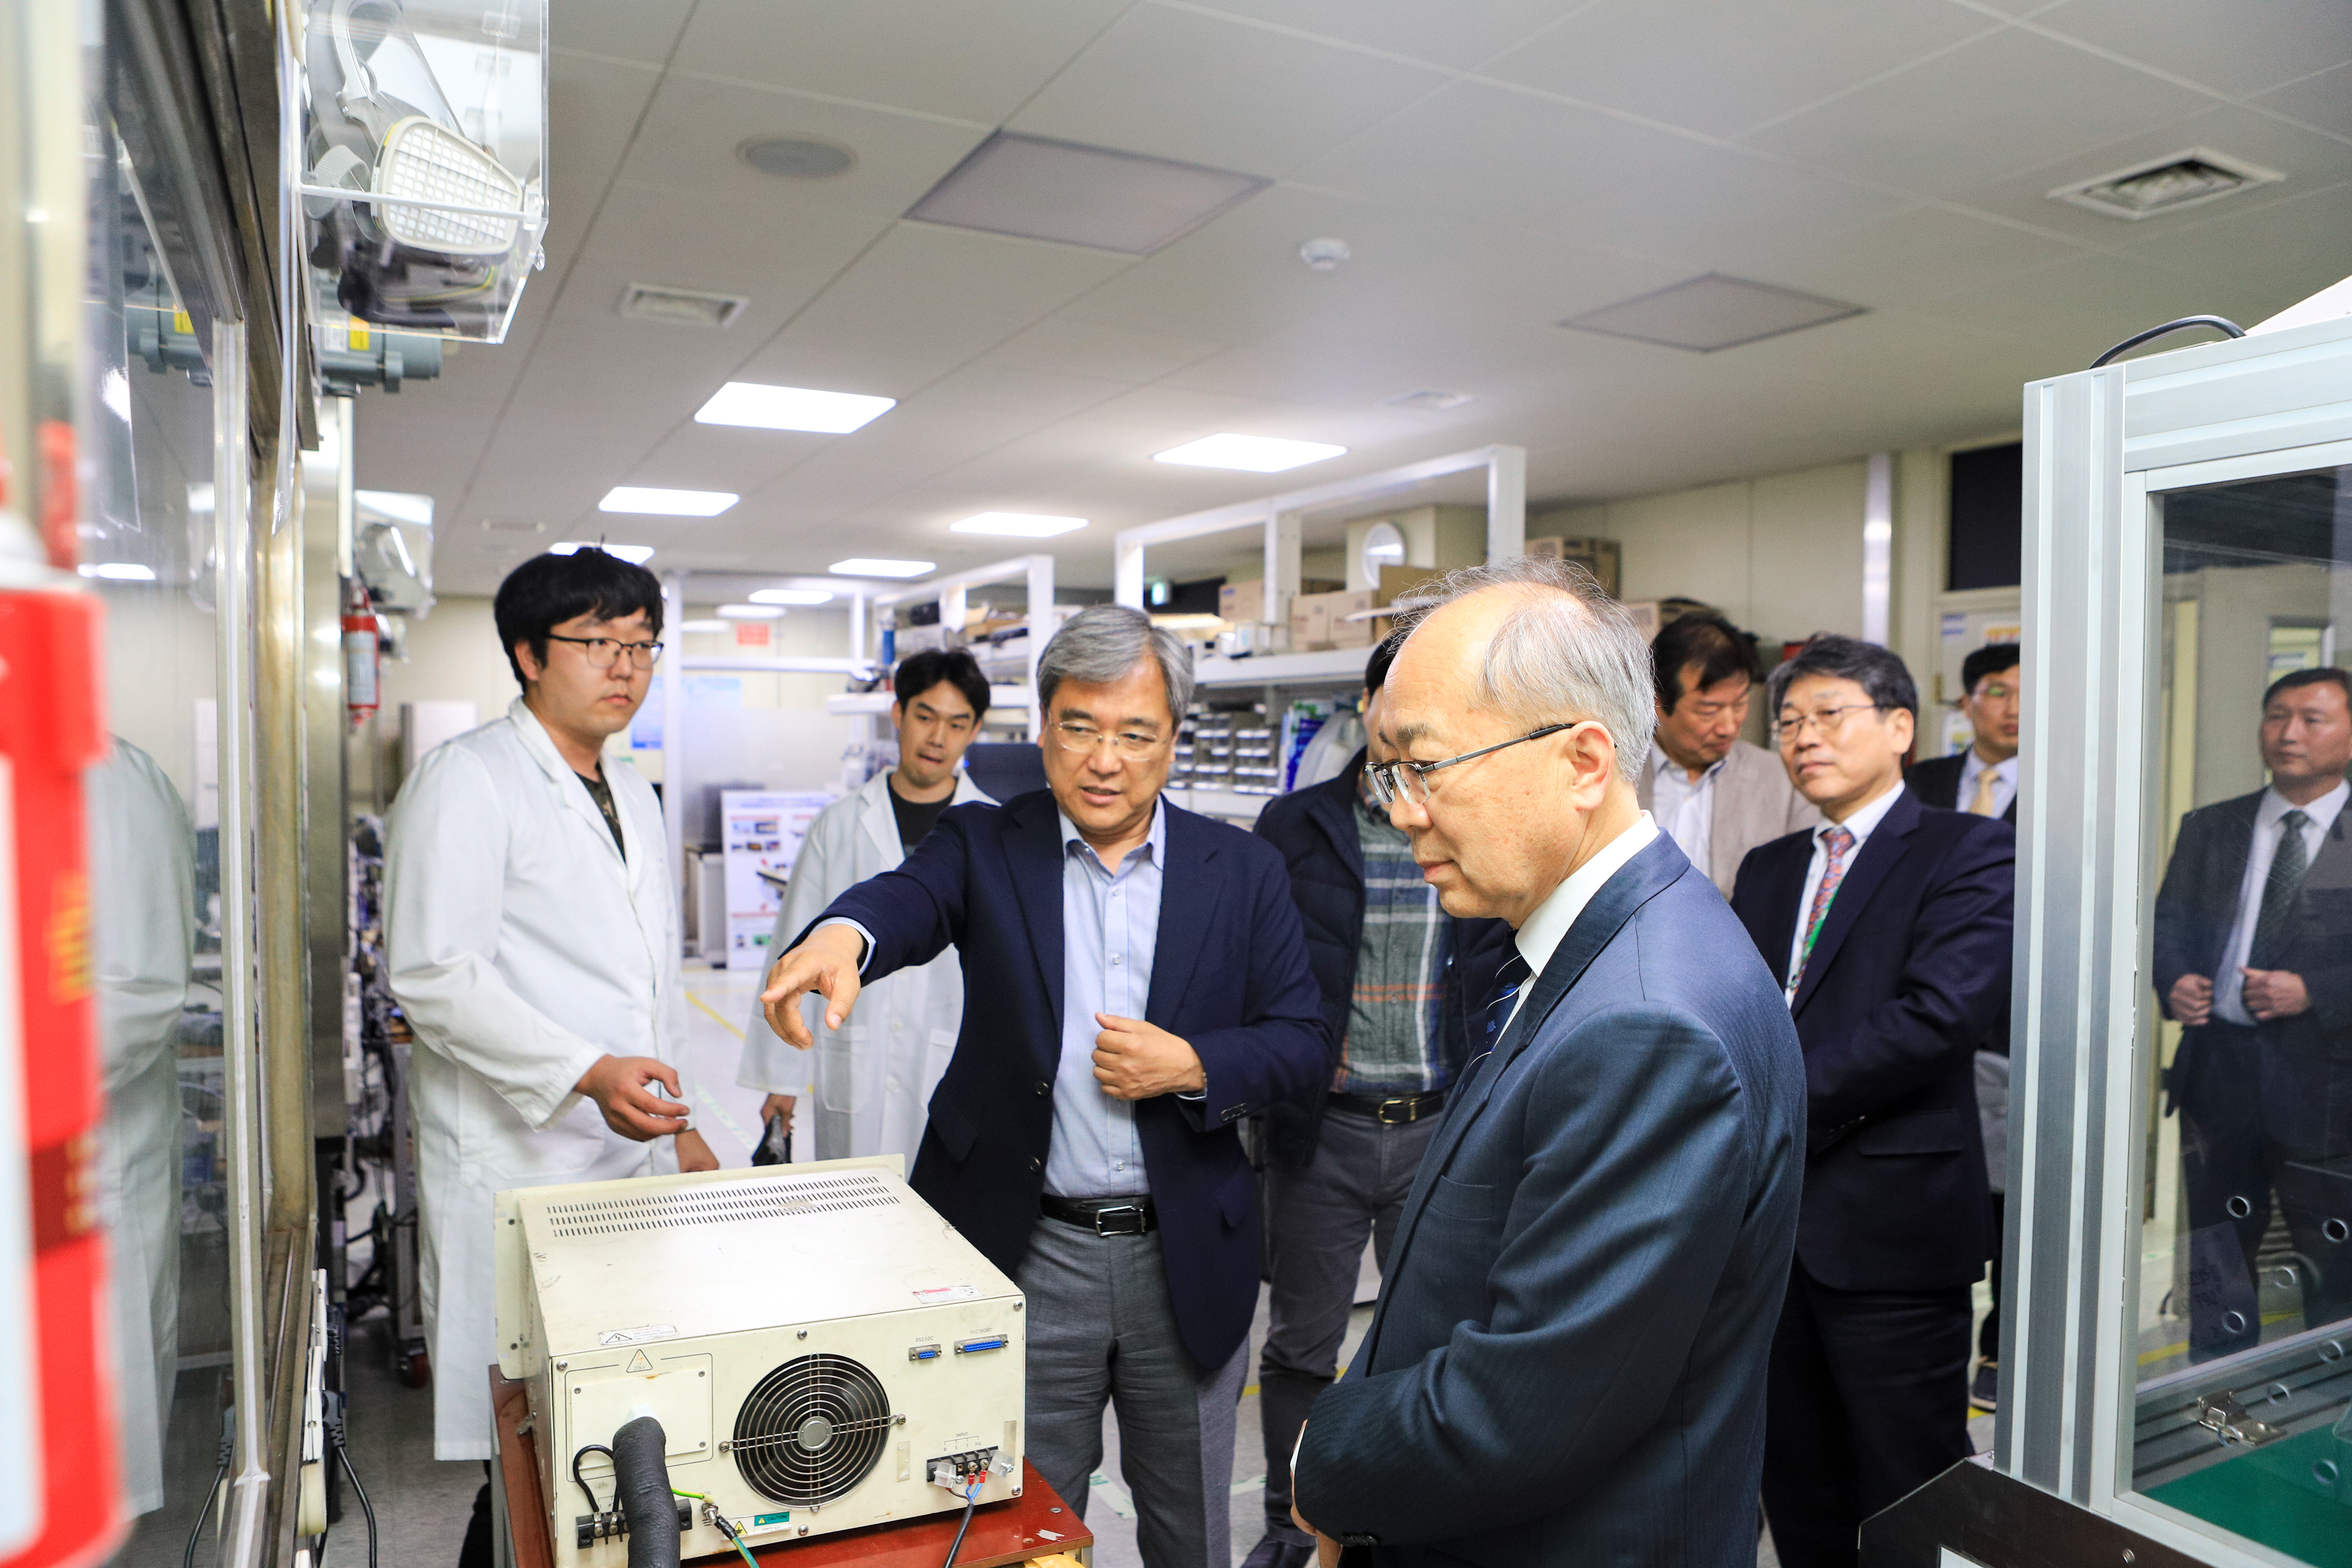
x,y
1567,1366
1712,793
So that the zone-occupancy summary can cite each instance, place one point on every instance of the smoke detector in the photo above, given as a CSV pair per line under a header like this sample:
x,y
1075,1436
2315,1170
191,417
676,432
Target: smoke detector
x,y
1325,255
797,157
680,306
1428,399
2166,185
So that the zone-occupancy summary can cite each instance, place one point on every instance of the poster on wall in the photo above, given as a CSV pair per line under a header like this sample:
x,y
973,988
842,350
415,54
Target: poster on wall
x,y
760,830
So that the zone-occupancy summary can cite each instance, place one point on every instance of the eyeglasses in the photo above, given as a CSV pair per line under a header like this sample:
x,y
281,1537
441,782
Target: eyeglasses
x,y
1409,781
603,651
1995,693
1825,721
1084,738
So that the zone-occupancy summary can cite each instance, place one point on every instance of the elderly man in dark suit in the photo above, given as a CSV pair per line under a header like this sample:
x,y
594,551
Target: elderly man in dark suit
x,y
1566,1364
1888,929
2254,954
1135,984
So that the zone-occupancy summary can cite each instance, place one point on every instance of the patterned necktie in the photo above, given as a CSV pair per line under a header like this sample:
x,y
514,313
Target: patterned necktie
x,y
1508,980
2274,928
1837,839
1982,804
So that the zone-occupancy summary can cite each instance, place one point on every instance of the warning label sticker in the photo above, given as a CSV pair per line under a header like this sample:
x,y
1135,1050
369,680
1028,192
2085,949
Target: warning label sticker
x,y
645,1335
937,1294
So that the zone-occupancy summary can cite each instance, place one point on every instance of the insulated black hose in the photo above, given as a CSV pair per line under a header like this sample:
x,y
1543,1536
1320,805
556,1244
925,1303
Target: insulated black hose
x,y
641,1482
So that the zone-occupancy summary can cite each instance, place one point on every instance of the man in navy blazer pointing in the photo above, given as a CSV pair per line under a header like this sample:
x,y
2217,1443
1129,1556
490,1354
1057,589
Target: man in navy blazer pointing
x,y
1566,1364
1135,984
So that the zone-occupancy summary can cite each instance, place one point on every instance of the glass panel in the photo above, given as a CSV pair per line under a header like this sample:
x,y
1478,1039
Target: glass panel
x,y
146,547
2245,1310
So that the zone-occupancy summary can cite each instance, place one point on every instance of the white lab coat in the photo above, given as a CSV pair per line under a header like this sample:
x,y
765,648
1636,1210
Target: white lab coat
x,y
522,948
875,1075
143,876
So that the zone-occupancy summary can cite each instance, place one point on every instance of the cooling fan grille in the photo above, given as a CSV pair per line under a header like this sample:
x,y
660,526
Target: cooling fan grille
x,y
811,1429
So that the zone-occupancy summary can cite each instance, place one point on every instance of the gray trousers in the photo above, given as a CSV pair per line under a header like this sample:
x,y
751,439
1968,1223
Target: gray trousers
x,y
1316,1221
1101,1331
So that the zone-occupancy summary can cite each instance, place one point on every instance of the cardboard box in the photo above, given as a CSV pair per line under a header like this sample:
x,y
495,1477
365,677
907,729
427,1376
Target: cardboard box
x,y
1601,557
1399,582
1645,616
1241,602
1320,620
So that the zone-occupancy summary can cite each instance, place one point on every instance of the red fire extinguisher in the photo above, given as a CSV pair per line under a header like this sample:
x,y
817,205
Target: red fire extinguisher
x,y
51,729
362,657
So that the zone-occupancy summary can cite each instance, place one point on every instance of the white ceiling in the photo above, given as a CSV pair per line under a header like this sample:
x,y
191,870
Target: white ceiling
x,y
1494,165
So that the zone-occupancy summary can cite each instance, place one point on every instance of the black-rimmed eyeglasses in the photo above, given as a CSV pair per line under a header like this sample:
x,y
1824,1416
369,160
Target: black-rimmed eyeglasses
x,y
603,651
1409,781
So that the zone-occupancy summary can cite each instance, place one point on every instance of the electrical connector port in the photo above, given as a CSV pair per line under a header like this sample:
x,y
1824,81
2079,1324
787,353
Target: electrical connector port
x,y
614,1525
983,1343
956,1472
922,1352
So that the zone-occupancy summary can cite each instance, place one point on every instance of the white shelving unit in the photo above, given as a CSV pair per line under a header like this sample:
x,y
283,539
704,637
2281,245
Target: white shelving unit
x,y
1011,702
1331,667
1222,803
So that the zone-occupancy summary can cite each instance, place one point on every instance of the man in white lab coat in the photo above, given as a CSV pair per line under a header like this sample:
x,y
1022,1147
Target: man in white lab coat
x,y
875,1075
532,920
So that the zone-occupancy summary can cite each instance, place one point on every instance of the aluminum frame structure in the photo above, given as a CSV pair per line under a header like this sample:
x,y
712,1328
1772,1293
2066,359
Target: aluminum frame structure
x,y
2102,448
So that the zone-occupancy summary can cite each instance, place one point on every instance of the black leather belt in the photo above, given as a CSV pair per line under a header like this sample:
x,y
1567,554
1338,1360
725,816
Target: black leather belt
x,y
1104,1216
1390,1110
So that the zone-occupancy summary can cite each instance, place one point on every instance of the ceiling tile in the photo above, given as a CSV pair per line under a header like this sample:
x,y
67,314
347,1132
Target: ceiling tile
x,y
2304,243
619,30
2075,310
2001,103
1177,84
1721,208
1072,346
972,62
990,383
2239,47
683,238
696,126
1718,65
1456,36
1905,258
2325,100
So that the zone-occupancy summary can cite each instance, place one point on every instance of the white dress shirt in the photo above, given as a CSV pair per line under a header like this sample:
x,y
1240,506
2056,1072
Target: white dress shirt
x,y
2005,781
1685,805
1545,929
2229,986
1860,824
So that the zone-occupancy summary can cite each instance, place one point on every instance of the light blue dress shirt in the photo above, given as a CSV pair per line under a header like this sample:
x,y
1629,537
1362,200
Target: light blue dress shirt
x,y
1111,933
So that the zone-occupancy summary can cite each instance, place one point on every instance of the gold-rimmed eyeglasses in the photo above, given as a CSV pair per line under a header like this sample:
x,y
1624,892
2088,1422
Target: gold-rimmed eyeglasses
x,y
1824,721
603,651
1409,781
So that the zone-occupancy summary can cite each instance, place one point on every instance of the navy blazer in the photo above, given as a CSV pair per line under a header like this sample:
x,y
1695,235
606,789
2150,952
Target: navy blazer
x,y
1909,975
1566,1364
1936,782
1316,829
1229,976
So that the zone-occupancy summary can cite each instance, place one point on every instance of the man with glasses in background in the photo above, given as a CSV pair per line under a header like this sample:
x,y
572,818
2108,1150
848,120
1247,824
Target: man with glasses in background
x,y
1981,780
1712,793
1888,929
1136,982
1567,1364
531,923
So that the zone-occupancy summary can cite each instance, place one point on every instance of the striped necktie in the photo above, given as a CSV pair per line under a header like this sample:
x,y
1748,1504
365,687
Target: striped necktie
x,y
1837,839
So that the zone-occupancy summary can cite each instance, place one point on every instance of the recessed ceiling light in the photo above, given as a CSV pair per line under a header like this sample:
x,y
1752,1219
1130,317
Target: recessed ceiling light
x,y
667,503
1253,454
634,554
117,571
513,525
705,625
865,567
792,408
797,157
1018,525
751,612
1710,312
1039,189
1428,399
791,597
680,306
2168,184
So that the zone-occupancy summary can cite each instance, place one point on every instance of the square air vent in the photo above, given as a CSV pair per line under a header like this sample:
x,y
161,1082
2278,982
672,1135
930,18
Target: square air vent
x,y
680,306
2183,180
1106,200
1712,312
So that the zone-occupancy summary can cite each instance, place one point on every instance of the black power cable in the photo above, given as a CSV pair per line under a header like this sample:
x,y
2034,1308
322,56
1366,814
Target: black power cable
x,y
334,1421
585,1490
212,1493
2222,324
971,1502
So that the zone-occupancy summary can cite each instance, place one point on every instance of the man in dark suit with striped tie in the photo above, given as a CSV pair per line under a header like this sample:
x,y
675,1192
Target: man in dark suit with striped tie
x,y
2253,956
1888,928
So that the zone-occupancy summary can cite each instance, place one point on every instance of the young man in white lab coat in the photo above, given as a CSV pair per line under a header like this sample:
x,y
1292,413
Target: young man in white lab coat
x,y
873,1076
531,919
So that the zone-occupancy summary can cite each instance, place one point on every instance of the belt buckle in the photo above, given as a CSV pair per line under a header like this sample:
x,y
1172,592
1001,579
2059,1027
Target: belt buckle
x,y
1128,1213
1412,1111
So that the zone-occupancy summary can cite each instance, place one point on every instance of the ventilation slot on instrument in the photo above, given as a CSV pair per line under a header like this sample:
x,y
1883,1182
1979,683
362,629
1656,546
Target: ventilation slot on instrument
x,y
719,1203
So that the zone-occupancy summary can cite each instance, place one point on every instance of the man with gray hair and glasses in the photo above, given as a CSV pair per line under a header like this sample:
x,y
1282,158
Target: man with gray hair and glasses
x,y
1567,1364
1135,984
